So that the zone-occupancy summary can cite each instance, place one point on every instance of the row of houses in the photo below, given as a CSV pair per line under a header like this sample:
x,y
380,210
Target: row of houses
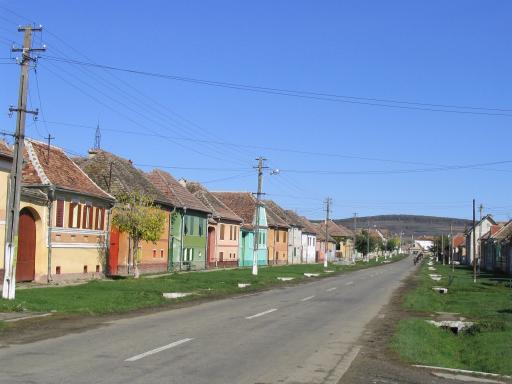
x,y
489,242
66,231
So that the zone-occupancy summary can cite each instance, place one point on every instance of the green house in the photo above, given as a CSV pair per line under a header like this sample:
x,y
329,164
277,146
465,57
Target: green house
x,y
188,229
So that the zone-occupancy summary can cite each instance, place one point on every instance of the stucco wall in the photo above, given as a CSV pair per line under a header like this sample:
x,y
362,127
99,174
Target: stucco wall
x,y
277,246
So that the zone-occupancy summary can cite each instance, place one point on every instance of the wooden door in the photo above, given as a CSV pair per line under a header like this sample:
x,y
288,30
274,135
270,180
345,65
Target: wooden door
x,y
113,253
26,263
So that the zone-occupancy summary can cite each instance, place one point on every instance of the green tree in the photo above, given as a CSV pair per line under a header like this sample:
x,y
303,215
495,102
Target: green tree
x,y
392,244
441,247
362,243
137,216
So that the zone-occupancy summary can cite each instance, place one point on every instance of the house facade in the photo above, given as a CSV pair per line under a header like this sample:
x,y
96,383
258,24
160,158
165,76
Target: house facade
x,y
243,204
189,223
118,176
481,228
497,249
63,218
223,240
309,239
343,237
277,244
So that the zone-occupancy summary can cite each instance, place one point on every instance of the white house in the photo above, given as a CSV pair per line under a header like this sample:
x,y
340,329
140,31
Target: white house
x,y
481,228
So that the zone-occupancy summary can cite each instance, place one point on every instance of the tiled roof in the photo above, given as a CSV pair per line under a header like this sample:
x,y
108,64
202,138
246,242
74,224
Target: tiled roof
x,y
307,226
174,192
217,207
459,240
273,218
504,233
279,211
59,170
336,230
320,233
5,150
242,203
492,230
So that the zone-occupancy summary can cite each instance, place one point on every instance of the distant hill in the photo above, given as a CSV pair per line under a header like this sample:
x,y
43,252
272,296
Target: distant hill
x,y
409,224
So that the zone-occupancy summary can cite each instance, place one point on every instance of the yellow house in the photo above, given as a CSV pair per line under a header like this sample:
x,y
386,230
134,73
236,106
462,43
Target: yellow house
x,y
63,218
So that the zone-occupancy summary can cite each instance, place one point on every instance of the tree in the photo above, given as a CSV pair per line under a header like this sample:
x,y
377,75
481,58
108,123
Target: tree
x,y
438,249
137,216
362,243
392,244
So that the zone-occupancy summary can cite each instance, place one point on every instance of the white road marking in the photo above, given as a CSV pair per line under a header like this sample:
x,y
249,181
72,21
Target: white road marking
x,y
160,349
307,298
350,283
261,313
331,289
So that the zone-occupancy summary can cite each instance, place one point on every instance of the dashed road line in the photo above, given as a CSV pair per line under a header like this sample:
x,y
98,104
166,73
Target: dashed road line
x,y
331,289
261,313
160,349
350,283
307,298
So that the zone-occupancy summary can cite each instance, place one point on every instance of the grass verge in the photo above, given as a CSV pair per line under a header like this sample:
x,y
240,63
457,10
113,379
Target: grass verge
x,y
115,296
488,303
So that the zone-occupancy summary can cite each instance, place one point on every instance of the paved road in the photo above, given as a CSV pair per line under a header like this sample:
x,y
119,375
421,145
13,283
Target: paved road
x,y
301,334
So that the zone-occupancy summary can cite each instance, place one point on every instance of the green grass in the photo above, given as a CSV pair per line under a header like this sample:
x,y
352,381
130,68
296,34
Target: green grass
x,y
488,303
108,296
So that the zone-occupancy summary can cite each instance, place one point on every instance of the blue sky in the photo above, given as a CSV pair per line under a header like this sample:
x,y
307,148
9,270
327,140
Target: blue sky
x,y
436,52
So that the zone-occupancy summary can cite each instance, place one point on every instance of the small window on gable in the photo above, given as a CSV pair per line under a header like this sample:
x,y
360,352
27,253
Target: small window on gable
x,y
222,229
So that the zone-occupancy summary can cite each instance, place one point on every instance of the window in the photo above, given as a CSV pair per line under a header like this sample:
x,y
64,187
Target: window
x,y
59,222
161,253
221,256
284,237
74,215
87,217
201,226
186,224
154,253
99,222
222,229
230,232
188,254
277,236
236,230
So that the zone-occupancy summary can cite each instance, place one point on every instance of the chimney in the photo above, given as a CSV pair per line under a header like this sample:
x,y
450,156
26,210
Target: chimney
x,y
183,182
93,152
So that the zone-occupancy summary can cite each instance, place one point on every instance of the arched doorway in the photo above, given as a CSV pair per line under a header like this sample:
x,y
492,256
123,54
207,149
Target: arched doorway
x,y
211,247
26,261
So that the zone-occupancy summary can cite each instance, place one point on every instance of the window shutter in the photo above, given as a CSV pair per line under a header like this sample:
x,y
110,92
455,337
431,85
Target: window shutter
x,y
59,222
84,220
89,225
102,219
78,215
96,219
71,209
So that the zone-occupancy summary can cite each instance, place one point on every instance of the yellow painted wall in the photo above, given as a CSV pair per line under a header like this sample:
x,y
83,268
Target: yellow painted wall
x,y
281,246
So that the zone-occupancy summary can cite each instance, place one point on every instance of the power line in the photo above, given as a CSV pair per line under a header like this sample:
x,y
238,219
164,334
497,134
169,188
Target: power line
x,y
376,102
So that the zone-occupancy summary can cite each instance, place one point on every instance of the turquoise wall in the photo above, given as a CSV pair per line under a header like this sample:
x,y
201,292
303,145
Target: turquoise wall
x,y
246,246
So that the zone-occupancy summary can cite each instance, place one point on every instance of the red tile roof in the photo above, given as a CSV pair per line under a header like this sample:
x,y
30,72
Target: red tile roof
x,y
242,203
217,207
58,170
504,233
5,150
273,218
459,240
336,230
174,192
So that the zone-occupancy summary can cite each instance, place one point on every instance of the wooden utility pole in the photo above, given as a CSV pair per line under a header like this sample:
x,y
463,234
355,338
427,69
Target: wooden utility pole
x,y
354,250
328,203
13,204
368,243
451,247
474,242
260,168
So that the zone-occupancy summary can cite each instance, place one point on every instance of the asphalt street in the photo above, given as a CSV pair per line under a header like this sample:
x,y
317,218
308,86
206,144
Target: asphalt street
x,y
298,334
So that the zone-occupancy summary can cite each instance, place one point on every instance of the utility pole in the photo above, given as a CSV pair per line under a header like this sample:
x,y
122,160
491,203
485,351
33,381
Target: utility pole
x,y
260,168
13,205
442,246
328,203
451,247
368,243
474,243
480,208
354,250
